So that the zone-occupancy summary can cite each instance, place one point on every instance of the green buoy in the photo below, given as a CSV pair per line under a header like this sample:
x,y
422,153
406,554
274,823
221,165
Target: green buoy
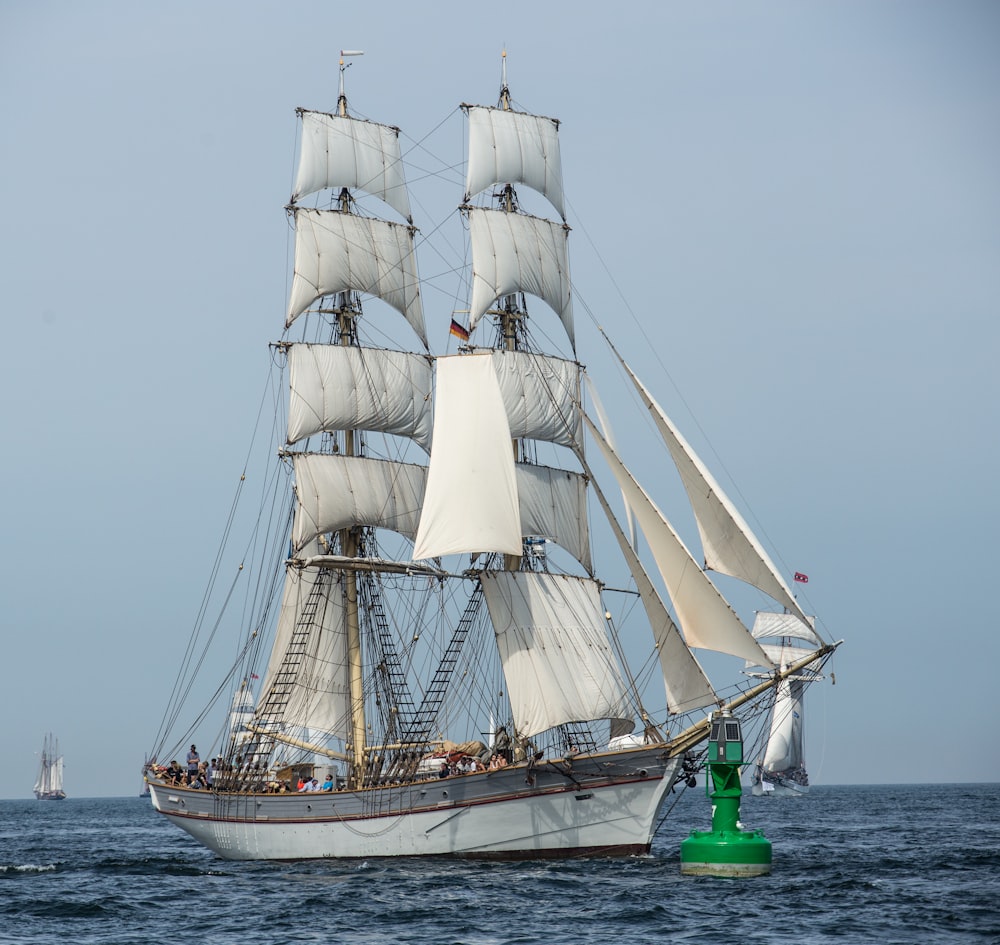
x,y
725,850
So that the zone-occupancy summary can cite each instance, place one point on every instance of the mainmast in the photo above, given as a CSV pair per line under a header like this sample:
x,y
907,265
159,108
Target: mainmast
x,y
504,91
510,312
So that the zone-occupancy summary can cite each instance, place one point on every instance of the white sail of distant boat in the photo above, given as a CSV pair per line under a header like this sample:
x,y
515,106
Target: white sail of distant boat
x,y
781,771
49,782
433,632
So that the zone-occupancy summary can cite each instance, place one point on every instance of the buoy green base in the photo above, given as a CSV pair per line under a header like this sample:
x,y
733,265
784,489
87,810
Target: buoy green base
x,y
726,853
726,849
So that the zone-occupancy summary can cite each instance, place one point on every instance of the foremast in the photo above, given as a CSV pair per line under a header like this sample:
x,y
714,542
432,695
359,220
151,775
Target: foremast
x,y
347,311
338,389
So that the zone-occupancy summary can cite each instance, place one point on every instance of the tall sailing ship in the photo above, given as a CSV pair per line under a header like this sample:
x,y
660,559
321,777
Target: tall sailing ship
x,y
49,783
781,770
434,640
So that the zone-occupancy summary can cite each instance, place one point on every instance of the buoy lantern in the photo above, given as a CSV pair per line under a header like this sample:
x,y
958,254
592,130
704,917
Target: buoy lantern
x,y
727,849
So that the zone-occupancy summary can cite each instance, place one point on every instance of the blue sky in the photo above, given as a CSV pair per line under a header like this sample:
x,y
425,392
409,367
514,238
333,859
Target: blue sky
x,y
798,205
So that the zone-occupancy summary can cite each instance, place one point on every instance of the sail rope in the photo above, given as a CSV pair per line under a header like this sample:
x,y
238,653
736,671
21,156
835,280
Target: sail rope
x,y
655,349
688,769
190,665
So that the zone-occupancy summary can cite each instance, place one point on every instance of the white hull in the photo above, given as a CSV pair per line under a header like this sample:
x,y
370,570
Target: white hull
x,y
782,789
567,812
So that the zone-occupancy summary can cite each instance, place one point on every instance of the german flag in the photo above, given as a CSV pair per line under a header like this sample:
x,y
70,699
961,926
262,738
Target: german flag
x,y
458,331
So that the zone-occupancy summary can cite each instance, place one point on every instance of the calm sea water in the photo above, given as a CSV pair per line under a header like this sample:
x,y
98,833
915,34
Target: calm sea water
x,y
890,864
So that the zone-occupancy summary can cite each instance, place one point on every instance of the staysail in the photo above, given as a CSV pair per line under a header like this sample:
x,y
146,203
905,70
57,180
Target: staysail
x,y
729,545
471,503
687,687
705,617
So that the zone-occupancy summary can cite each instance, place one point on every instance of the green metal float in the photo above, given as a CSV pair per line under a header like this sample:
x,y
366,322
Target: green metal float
x,y
727,849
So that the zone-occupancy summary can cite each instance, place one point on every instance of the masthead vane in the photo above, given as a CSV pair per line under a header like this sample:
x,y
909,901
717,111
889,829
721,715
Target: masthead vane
x,y
341,96
504,91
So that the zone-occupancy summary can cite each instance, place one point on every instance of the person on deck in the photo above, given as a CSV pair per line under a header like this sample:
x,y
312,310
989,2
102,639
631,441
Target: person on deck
x,y
192,760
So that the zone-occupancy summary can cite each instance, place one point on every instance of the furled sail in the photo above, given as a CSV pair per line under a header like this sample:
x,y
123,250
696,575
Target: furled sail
x,y
687,687
508,147
340,252
342,387
336,491
553,643
553,504
471,503
319,696
729,545
514,252
704,615
541,395
340,151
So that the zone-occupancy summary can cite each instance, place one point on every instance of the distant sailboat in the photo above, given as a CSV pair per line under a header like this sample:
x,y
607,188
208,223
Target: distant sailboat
x,y
781,772
49,783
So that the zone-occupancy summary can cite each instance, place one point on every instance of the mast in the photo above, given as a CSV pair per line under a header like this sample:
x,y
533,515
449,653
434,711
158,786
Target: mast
x,y
347,310
509,313
333,650
514,254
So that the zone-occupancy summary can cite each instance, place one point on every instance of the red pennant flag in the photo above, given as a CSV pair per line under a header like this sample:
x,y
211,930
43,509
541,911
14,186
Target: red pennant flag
x,y
801,578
